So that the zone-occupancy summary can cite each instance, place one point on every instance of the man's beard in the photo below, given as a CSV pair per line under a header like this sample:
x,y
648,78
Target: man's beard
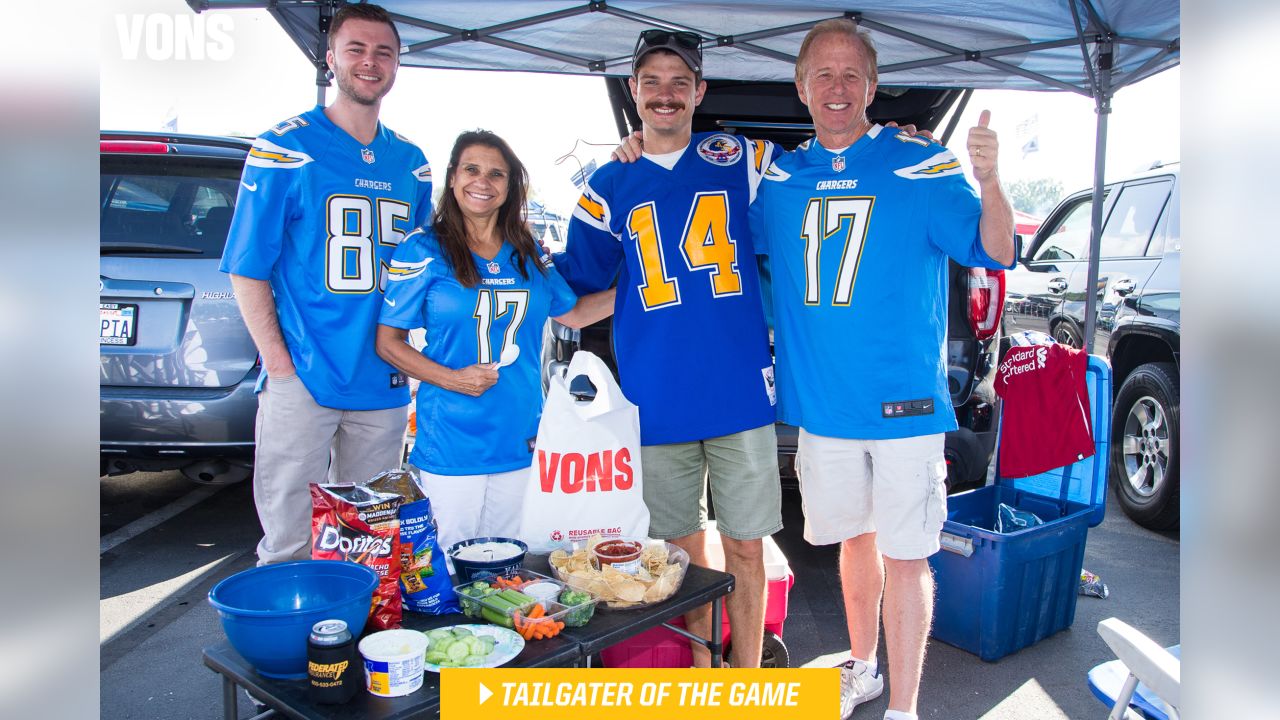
x,y
346,86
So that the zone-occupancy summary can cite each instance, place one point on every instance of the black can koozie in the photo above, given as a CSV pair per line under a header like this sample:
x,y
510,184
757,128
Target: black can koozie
x,y
334,675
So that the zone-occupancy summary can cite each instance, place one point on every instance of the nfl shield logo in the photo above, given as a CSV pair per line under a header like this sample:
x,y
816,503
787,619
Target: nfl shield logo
x,y
837,163
367,154
493,267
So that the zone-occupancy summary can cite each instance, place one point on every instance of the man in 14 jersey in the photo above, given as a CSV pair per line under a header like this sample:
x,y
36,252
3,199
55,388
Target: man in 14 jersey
x,y
689,332
324,199
858,224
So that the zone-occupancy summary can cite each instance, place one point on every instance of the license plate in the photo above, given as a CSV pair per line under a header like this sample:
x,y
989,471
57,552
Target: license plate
x,y
119,324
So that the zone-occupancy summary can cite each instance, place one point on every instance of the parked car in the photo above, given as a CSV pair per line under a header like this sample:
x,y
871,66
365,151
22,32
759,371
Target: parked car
x,y
771,111
1137,322
178,367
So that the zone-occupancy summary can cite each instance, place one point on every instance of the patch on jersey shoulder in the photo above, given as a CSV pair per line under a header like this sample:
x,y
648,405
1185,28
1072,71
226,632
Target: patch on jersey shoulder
x,y
267,154
423,173
720,149
401,270
546,261
940,165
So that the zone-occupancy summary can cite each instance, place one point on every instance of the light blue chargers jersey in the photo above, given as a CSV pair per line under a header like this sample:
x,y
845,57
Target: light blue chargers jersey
x,y
459,434
318,215
688,326
858,244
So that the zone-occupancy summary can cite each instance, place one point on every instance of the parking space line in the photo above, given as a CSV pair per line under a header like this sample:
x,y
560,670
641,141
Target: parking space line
x,y
154,518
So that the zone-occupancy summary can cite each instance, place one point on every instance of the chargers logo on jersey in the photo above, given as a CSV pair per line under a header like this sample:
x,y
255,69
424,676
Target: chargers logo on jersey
x,y
401,270
423,173
592,210
940,165
267,154
720,149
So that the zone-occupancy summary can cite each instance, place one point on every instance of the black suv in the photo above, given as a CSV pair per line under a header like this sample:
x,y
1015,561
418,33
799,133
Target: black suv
x,y
1137,322
772,111
177,365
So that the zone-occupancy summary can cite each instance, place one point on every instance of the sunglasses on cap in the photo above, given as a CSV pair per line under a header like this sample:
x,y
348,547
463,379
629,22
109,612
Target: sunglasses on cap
x,y
688,45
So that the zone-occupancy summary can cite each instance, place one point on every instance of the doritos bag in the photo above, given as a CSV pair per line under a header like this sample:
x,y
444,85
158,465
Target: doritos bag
x,y
424,577
354,523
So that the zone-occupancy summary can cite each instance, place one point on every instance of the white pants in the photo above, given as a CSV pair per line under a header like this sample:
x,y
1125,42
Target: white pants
x,y
471,506
896,489
299,443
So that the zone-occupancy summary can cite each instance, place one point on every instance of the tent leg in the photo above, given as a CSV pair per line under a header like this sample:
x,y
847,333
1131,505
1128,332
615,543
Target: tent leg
x,y
1102,94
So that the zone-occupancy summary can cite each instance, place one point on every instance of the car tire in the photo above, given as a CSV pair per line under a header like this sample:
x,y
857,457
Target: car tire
x,y
1144,446
1065,333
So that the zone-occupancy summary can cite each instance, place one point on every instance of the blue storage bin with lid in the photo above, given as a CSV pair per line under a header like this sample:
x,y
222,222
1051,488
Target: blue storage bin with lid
x,y
1000,592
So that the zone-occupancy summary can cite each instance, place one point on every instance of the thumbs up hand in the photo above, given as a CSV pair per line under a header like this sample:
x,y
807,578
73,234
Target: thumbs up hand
x,y
984,148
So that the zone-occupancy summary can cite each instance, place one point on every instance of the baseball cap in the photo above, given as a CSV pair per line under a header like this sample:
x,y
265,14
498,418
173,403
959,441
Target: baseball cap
x,y
687,45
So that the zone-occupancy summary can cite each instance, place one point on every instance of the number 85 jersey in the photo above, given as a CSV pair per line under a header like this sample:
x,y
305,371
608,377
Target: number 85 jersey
x,y
688,330
319,215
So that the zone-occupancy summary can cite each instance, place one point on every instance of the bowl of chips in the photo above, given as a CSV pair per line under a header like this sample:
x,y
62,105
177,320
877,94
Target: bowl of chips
x,y
662,568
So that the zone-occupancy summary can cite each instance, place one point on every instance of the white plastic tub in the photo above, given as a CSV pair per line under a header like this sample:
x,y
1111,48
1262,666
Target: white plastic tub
x,y
393,662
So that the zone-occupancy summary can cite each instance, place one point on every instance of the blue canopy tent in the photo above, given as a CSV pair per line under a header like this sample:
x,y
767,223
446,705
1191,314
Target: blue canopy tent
x,y
1090,47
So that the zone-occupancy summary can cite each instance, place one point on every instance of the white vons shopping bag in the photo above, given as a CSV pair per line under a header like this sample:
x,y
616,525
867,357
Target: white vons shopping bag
x,y
585,477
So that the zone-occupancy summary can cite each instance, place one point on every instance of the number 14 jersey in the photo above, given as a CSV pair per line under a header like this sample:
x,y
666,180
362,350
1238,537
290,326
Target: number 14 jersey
x,y
688,329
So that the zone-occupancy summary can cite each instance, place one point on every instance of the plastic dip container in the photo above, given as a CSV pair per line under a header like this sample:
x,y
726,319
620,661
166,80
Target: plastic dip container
x,y
623,555
393,661
544,592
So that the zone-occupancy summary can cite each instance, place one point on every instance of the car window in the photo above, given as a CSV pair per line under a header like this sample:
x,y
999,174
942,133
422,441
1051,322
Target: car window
x,y
1069,239
1133,217
168,207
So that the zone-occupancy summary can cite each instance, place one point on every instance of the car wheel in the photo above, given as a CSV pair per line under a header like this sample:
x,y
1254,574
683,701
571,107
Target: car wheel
x,y
1144,446
1064,333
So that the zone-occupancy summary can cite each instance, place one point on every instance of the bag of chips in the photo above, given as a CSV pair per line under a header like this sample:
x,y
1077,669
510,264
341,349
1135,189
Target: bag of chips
x,y
424,577
356,524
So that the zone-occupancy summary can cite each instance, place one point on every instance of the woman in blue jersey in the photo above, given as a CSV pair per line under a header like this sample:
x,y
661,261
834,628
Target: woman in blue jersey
x,y
483,289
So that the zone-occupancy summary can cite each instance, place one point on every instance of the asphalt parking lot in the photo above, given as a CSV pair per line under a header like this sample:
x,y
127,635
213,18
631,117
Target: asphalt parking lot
x,y
165,542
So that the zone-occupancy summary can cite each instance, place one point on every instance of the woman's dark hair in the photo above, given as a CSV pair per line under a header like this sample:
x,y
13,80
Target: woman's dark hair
x,y
450,224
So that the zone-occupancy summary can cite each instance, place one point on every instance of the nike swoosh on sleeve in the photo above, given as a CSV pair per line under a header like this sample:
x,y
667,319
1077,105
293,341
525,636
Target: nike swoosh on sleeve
x,y
389,301
247,186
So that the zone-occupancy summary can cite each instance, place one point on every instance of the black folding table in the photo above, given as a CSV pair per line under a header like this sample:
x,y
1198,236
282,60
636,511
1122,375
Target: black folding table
x,y
570,648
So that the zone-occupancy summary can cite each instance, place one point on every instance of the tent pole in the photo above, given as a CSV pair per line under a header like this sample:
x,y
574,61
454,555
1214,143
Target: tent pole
x,y
322,48
1102,95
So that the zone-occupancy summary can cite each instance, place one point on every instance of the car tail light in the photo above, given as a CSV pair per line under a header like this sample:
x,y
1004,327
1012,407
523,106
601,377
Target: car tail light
x,y
986,301
132,146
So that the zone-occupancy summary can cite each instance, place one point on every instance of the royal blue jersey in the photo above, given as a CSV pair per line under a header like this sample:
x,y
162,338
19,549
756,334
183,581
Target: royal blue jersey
x,y
318,215
459,434
858,244
688,327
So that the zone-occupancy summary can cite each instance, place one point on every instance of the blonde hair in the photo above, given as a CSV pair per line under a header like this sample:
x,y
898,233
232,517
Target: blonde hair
x,y
842,26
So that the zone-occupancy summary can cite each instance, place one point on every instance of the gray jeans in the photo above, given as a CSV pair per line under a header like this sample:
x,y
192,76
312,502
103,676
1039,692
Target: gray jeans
x,y
300,442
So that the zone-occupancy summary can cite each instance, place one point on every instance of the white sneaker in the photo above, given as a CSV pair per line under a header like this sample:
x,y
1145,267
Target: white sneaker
x,y
857,685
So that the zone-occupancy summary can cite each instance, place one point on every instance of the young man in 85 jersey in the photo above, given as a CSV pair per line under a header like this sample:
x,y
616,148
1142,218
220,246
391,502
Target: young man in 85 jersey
x,y
324,199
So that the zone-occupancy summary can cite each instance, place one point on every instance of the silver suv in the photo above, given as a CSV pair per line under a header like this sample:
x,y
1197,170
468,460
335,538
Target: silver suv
x,y
177,365
1138,323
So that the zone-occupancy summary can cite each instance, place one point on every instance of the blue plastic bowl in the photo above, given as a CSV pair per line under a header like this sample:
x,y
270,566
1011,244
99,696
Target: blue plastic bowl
x,y
468,570
267,612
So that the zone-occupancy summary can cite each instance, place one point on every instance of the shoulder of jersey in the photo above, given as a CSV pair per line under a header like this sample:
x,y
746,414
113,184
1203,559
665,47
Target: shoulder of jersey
x,y
288,145
421,172
416,252
917,158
